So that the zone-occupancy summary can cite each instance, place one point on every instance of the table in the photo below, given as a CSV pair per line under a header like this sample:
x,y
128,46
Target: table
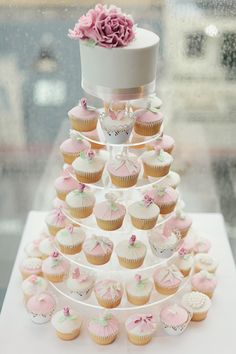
x,y
216,334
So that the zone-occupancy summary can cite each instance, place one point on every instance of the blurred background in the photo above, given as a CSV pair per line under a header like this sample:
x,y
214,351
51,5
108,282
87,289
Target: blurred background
x,y
40,82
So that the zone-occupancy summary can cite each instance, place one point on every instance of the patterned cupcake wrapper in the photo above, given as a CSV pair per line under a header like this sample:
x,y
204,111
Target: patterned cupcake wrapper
x,y
176,330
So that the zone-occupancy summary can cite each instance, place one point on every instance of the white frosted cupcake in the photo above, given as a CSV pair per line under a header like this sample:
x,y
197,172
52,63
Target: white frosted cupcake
x,y
198,304
80,202
138,290
204,261
184,261
163,244
70,239
80,284
67,324
32,249
117,126
131,253
144,213
83,117
156,163
88,167
140,328
31,265
41,307
33,285
47,246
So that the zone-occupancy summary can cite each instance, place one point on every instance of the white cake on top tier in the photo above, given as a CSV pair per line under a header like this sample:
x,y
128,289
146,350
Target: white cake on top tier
x,y
121,73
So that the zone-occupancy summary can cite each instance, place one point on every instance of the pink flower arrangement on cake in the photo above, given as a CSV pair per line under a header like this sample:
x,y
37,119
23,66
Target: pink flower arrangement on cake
x,y
105,26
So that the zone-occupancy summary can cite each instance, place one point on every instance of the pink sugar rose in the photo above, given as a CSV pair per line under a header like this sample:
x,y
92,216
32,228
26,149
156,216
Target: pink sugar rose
x,y
106,26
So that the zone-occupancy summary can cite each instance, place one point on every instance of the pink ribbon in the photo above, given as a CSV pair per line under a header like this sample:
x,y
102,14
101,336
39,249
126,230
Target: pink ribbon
x,y
145,322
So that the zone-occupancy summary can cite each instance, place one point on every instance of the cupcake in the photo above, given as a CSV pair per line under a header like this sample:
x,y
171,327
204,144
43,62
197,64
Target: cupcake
x,y
47,247
152,100
174,319
163,244
165,199
184,261
108,293
55,267
204,282
167,279
55,221
88,167
131,253
79,284
80,202
202,245
70,239
144,214
156,163
196,303
30,266
41,307
124,170
67,324
103,329
139,290
65,184
148,121
171,180
98,249
164,142
180,221
95,141
83,118
203,261
72,147
140,328
32,249
109,214
117,126
33,285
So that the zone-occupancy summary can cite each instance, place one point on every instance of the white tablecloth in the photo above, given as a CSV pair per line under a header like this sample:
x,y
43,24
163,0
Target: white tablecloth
x,y
215,335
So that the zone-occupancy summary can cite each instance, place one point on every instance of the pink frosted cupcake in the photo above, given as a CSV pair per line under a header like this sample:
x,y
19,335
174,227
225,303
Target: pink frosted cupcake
x,y
30,266
103,329
108,293
33,285
88,167
180,221
124,170
148,121
165,142
83,118
41,307
109,214
98,249
140,328
55,221
80,202
165,199
144,214
202,245
65,184
72,147
174,319
204,282
167,279
55,267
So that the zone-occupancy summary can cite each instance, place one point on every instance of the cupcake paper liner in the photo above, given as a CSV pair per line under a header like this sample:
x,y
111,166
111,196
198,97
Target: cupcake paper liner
x,y
97,260
147,129
68,336
82,125
54,278
144,224
103,340
124,182
89,177
82,212
137,300
109,304
155,171
70,157
131,263
110,225
166,291
139,340
199,316
70,249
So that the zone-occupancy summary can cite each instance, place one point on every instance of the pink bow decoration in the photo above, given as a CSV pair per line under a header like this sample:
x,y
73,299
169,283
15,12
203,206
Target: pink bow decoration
x,y
145,322
148,200
182,252
83,103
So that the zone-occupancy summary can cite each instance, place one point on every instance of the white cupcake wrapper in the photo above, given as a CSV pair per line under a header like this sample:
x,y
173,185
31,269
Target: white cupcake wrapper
x,y
41,318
